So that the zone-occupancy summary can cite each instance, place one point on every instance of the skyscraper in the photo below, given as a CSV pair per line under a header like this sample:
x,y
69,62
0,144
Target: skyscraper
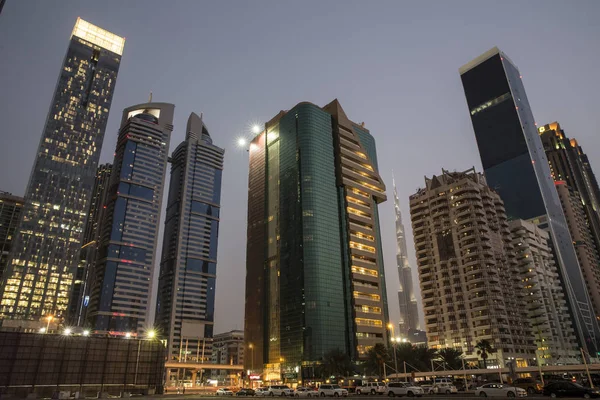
x,y
10,211
123,273
545,304
186,288
314,268
470,285
570,165
516,166
39,275
409,314
587,254
89,249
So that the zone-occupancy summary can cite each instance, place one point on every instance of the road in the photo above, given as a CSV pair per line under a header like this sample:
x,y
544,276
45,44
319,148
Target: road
x,y
353,397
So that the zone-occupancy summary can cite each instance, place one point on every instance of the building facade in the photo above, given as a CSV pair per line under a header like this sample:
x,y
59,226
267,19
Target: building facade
x,y
89,249
545,303
583,240
186,289
409,314
570,164
515,165
123,274
470,283
10,211
45,252
228,348
314,268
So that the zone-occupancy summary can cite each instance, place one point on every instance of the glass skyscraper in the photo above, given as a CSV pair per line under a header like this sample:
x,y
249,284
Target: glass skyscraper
x,y
314,271
39,275
87,257
10,211
409,313
123,272
186,289
516,166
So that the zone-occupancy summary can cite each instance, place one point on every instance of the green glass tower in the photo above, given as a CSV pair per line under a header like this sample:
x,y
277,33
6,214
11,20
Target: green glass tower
x,y
314,267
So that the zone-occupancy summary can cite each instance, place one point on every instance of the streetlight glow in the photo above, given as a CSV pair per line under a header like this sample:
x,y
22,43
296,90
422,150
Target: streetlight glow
x,y
86,333
42,330
241,142
128,335
255,128
151,334
67,331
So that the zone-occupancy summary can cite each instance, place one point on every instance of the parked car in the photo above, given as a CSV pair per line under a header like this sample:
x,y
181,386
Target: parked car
x,y
371,388
427,387
444,388
280,390
245,392
499,390
569,389
304,392
261,391
531,385
403,389
332,390
224,392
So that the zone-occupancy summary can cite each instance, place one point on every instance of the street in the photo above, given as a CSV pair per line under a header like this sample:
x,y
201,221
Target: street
x,y
205,396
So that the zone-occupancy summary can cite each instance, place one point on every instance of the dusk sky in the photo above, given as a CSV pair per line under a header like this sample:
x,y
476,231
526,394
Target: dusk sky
x,y
392,64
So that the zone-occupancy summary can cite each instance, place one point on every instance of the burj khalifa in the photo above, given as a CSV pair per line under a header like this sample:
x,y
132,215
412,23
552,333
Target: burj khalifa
x,y
409,316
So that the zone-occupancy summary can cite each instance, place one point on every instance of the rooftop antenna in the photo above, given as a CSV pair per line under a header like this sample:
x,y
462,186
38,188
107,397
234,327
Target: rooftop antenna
x,y
150,98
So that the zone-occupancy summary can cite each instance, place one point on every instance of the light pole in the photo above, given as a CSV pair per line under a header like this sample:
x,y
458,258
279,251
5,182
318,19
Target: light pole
x,y
394,341
50,318
251,347
149,335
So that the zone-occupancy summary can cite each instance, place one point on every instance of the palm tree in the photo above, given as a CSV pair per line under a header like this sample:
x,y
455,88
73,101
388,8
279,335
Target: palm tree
x,y
376,357
336,363
484,349
452,357
423,356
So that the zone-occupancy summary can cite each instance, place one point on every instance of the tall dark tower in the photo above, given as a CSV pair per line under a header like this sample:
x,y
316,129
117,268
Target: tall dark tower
x,y
315,280
409,314
89,249
123,273
516,166
40,273
188,268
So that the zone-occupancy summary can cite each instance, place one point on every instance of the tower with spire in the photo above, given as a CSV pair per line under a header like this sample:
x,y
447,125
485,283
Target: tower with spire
x,y
409,316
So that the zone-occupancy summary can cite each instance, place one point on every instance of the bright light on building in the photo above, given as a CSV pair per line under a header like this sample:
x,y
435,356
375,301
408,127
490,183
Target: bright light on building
x,y
86,333
67,331
241,142
128,335
255,128
98,36
42,330
151,334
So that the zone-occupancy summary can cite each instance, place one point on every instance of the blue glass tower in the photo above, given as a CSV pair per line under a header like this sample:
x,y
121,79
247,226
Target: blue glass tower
x,y
516,166
186,292
123,274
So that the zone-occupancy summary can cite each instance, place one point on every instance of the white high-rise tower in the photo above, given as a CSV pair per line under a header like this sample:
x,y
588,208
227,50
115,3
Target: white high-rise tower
x,y
409,315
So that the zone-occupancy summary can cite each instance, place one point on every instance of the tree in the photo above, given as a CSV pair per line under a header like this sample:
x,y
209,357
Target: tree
x,y
484,349
452,357
423,356
336,363
376,357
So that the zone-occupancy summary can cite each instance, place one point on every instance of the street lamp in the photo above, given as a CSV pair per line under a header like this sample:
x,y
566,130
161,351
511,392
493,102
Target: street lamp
x,y
394,341
49,318
255,128
251,347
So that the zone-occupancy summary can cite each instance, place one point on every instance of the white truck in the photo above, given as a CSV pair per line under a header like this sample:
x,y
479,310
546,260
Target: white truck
x,y
371,388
